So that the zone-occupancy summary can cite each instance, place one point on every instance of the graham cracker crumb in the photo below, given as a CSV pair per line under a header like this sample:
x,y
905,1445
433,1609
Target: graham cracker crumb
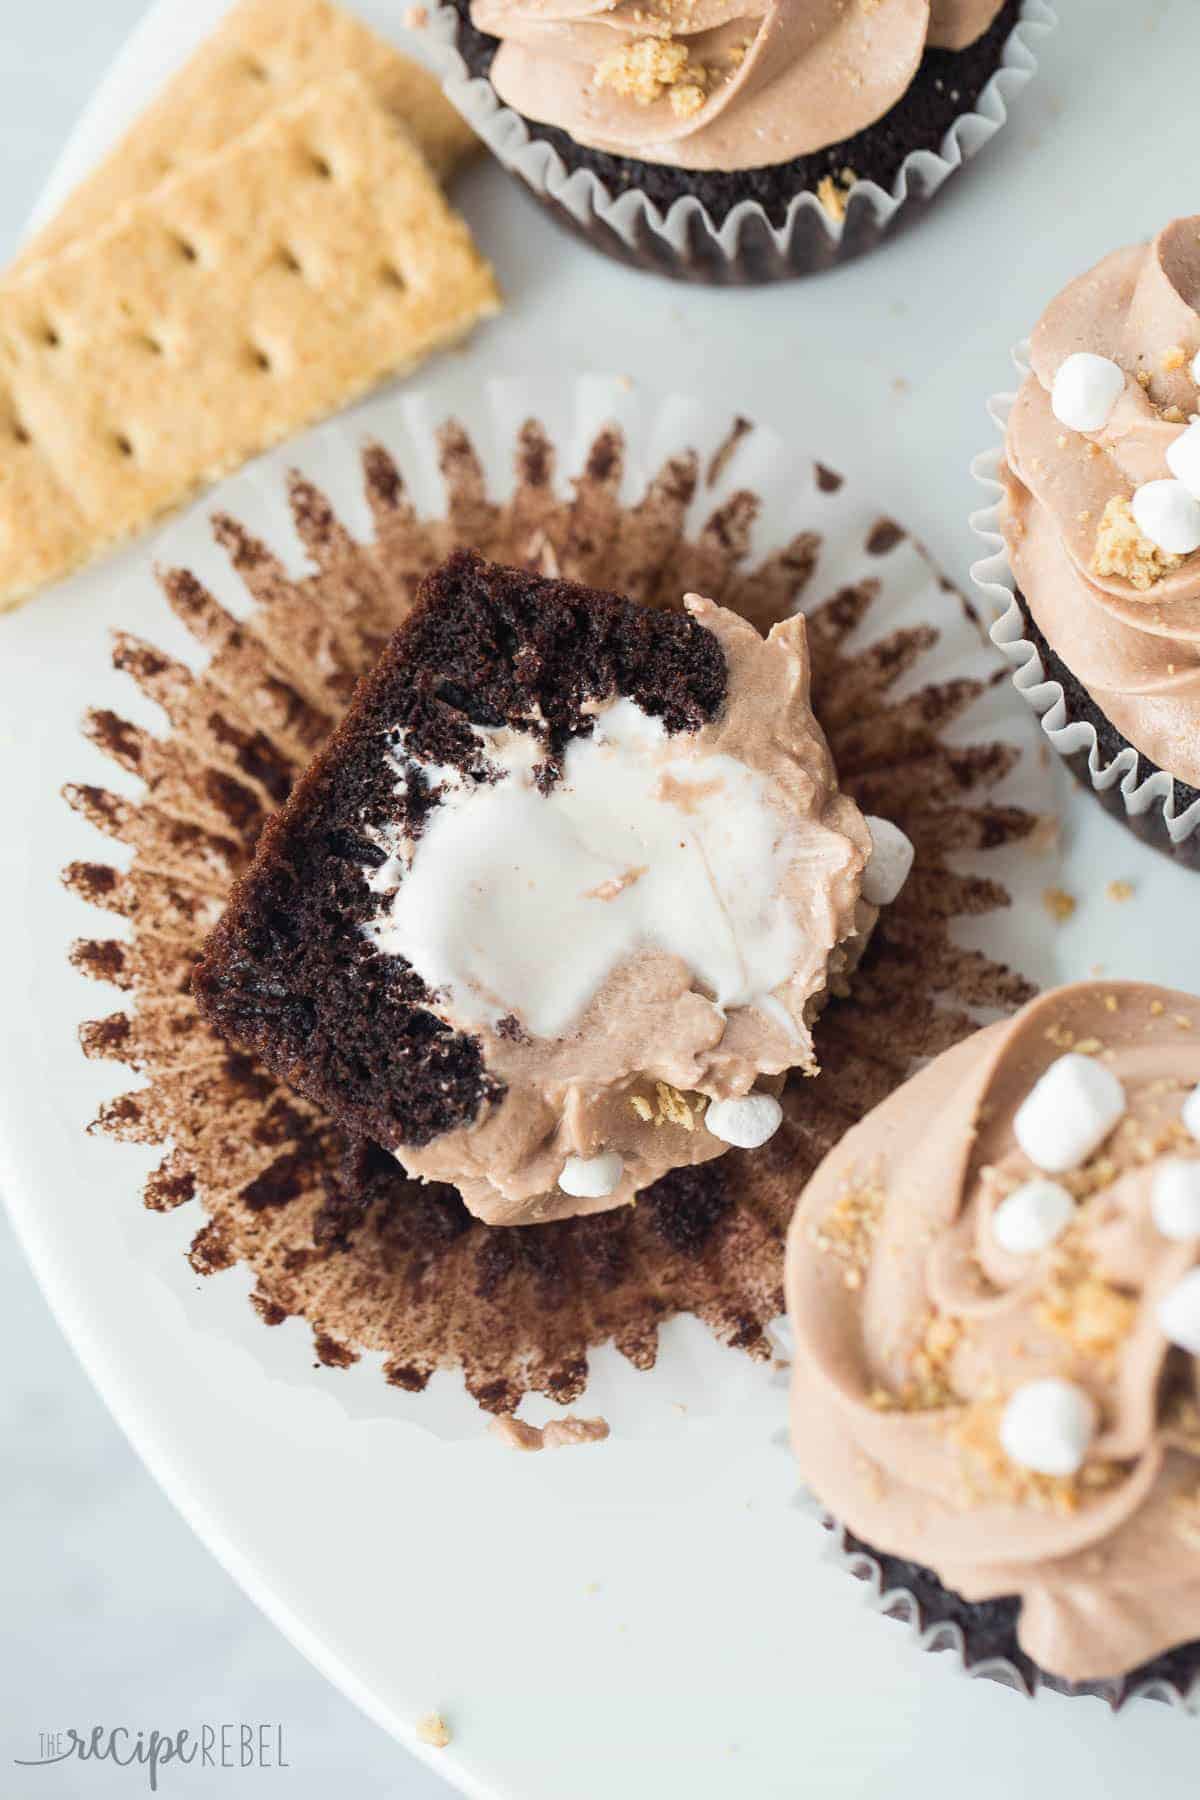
x,y
929,1387
833,191
432,1729
671,1106
615,886
646,68
1045,835
1122,550
847,1231
1093,1316
556,1434
1059,904
1173,358
687,97
1119,892
989,1475
561,1434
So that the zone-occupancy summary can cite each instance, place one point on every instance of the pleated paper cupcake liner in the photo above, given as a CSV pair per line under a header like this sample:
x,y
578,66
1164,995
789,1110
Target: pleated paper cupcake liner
x,y
1161,810
980,1636
282,587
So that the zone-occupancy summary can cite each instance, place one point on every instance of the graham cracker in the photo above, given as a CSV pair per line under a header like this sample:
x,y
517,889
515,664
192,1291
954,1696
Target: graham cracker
x,y
263,288
263,54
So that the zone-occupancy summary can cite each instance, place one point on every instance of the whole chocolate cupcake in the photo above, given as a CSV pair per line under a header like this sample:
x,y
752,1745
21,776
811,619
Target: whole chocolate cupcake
x,y
730,143
994,1289
1101,528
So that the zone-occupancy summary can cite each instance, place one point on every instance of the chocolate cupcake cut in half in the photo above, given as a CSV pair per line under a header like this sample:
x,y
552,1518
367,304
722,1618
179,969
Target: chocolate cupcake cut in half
x,y
1101,527
856,107
329,1228
994,1282
567,883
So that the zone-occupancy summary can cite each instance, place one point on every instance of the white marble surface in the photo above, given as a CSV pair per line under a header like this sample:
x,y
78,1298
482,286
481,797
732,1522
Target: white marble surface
x,y
111,1611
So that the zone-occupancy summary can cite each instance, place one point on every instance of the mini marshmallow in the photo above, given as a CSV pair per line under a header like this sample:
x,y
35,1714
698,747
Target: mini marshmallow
x,y
1191,1113
1183,458
1196,368
890,862
1048,1425
1169,516
1085,391
1179,1313
1032,1217
1068,1113
591,1177
746,1123
1175,1198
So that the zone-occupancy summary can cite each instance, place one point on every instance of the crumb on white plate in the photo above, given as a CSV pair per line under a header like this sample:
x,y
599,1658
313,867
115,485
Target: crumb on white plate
x,y
556,1434
432,1729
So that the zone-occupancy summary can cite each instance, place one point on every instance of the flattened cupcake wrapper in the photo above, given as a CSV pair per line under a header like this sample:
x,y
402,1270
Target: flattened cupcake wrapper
x,y
931,1633
746,248
657,1314
1146,803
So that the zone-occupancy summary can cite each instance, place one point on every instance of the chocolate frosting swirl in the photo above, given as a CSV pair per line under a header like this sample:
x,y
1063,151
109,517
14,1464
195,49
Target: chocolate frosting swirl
x,y
1135,650
913,1327
740,84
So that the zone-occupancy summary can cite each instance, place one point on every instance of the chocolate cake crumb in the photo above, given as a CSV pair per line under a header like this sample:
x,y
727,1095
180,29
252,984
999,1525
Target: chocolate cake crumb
x,y
686,1205
367,1180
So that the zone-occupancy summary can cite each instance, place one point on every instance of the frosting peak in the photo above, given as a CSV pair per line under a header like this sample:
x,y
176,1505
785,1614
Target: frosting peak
x,y
716,84
1013,1413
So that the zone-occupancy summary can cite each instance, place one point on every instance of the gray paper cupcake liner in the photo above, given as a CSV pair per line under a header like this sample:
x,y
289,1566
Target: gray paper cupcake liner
x,y
1147,803
948,1635
685,242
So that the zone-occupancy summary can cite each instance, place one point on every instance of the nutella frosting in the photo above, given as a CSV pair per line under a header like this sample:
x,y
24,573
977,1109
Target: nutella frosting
x,y
1123,615
716,84
651,936
914,1329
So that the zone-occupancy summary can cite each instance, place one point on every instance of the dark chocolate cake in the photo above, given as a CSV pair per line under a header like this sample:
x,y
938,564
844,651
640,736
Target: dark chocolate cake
x,y
289,972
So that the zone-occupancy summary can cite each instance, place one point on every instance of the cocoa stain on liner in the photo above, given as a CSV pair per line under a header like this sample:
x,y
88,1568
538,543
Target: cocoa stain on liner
x,y
337,1233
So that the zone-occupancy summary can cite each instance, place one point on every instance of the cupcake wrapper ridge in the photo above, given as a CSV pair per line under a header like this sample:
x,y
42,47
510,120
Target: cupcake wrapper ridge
x,y
1148,803
920,1612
